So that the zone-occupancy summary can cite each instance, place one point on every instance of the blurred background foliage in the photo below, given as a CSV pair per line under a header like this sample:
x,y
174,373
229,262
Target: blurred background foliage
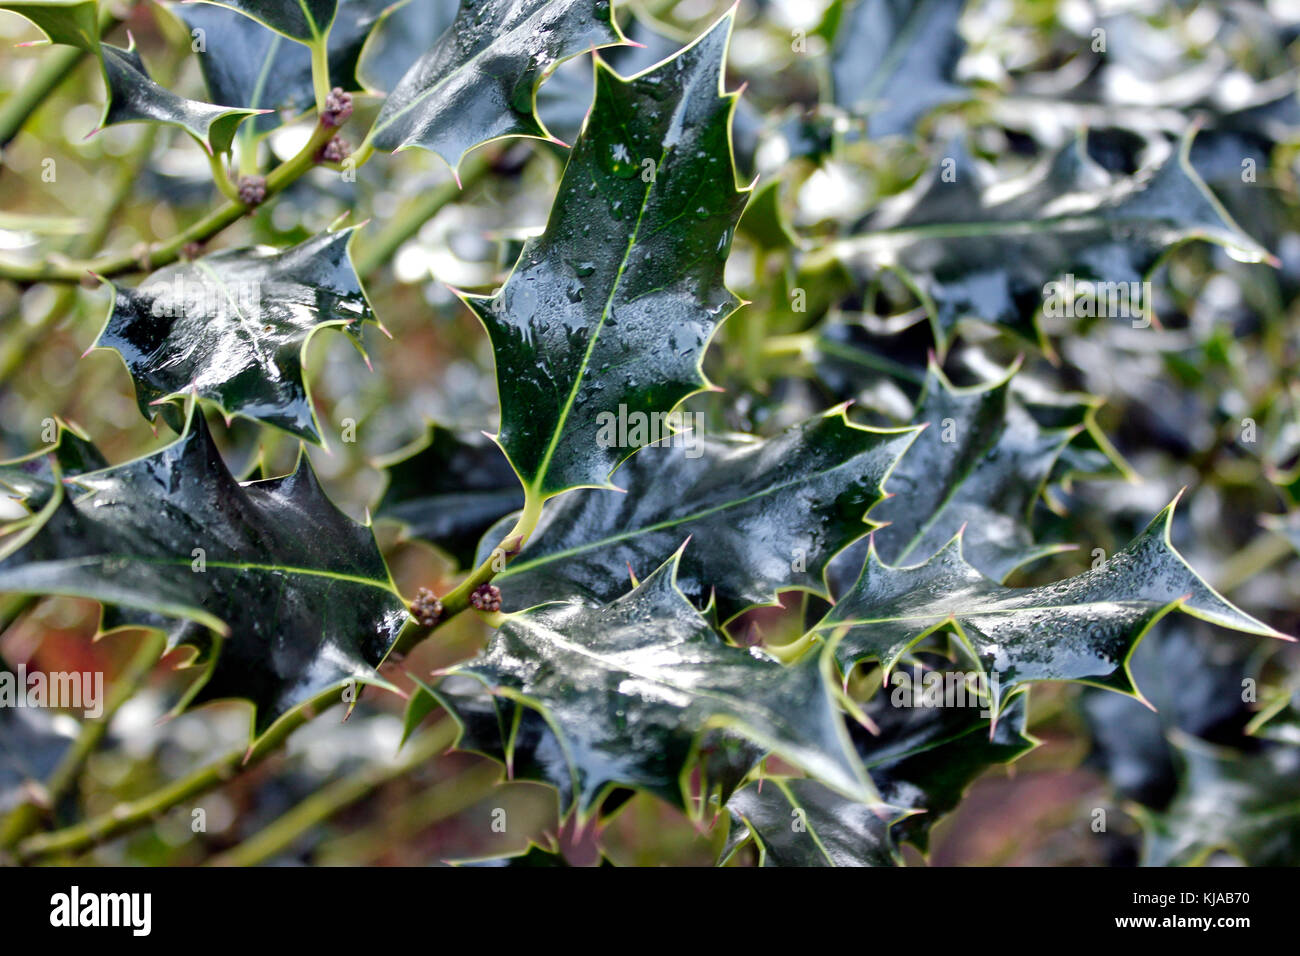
x,y
1207,401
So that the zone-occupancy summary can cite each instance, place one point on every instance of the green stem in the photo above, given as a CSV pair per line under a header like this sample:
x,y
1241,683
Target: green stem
x,y
24,818
20,343
781,346
372,256
127,816
55,67
755,327
222,178
457,599
439,802
324,803
361,155
168,252
19,107
320,72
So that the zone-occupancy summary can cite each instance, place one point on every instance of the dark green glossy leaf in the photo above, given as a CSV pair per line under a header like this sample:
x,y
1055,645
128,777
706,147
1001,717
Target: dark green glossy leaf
x,y
607,314
449,489
989,255
32,477
1194,679
306,21
895,60
404,33
245,64
293,597
479,81
876,362
565,98
71,22
630,688
510,733
922,760
535,857
1241,804
925,757
520,738
232,328
764,221
1083,628
763,516
980,464
799,822
134,97
1090,453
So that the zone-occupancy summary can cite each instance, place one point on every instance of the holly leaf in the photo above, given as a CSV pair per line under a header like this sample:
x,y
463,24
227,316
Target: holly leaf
x,y
449,488
990,253
1192,681
521,739
1083,628
32,478
1090,453
247,65
70,22
134,97
497,727
1231,802
629,690
925,757
764,222
763,516
798,822
608,312
564,100
307,21
895,60
875,361
532,858
479,81
285,595
404,33
233,327
921,759
980,463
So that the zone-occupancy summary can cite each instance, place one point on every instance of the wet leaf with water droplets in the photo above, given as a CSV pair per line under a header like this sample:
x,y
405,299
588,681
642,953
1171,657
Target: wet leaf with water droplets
x,y
763,516
479,81
579,328
1083,628
283,594
232,328
630,689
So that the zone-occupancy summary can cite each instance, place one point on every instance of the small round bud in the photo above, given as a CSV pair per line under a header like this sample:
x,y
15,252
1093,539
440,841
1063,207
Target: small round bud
x,y
252,190
338,107
335,151
426,608
486,597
